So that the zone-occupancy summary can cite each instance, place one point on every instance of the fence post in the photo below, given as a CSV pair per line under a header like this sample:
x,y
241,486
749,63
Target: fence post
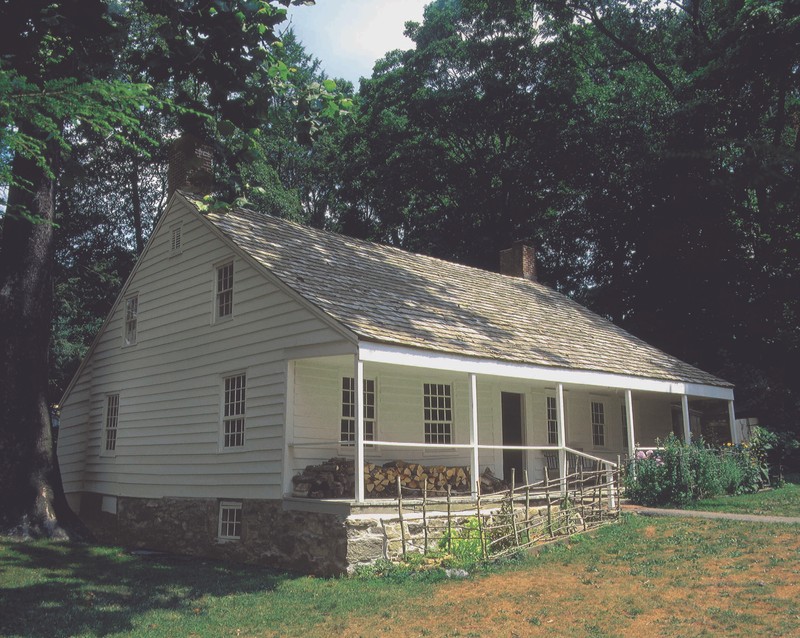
x,y
480,521
425,516
449,523
400,515
513,512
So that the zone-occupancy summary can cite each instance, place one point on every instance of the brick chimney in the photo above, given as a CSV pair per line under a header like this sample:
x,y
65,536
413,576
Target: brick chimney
x,y
519,261
191,167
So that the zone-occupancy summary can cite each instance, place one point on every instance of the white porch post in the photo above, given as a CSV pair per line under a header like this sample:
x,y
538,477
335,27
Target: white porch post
x,y
732,418
562,437
687,428
358,383
473,433
631,429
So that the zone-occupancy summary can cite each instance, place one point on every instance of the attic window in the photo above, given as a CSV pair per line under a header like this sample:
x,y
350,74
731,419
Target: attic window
x,y
224,291
176,242
131,319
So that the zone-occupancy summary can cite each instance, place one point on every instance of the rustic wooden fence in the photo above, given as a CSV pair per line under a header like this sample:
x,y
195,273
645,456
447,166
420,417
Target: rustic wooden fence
x,y
494,525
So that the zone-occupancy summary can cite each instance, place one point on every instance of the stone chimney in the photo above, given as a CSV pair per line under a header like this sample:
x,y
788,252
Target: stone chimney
x,y
519,261
191,167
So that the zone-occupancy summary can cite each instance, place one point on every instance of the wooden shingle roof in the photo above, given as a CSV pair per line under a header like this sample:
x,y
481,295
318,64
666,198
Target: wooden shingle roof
x,y
386,295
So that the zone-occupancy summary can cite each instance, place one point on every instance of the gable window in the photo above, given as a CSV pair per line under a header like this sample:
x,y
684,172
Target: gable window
x,y
112,420
230,520
438,412
233,411
176,240
598,424
224,288
348,423
552,421
131,319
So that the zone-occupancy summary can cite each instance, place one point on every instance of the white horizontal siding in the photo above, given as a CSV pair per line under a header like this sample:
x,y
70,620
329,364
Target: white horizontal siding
x,y
170,382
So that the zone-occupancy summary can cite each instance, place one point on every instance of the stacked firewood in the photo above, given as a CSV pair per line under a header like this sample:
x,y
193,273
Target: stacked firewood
x,y
381,480
335,479
332,479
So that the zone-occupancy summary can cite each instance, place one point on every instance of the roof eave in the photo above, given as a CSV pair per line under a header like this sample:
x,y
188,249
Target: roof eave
x,y
378,352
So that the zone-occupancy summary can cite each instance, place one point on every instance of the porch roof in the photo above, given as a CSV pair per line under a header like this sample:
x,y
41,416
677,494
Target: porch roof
x,y
390,296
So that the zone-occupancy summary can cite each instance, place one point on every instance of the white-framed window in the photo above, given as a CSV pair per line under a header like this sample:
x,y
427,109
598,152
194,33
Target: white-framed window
x,y
438,412
176,240
348,422
109,445
131,319
598,424
223,297
230,520
233,411
624,427
552,421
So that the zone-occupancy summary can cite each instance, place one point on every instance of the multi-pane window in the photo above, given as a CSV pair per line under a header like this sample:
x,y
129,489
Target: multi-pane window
x,y
230,520
224,302
438,412
348,424
552,421
624,428
598,424
131,317
112,420
233,411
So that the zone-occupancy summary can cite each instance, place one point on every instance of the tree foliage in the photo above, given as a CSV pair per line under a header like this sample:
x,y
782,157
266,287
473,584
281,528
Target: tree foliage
x,y
102,76
649,150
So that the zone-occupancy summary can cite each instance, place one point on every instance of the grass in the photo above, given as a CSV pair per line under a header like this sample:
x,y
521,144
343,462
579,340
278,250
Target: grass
x,y
663,577
781,501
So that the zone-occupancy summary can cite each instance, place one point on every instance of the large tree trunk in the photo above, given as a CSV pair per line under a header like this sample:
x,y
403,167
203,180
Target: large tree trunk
x,y
31,495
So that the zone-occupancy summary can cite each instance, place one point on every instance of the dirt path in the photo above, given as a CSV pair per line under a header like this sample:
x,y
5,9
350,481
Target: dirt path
x,y
749,518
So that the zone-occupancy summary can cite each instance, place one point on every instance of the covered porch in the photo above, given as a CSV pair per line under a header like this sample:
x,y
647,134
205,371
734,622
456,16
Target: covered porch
x,y
439,409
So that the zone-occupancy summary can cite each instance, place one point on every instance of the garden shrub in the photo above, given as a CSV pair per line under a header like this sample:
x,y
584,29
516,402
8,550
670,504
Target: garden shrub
x,y
678,474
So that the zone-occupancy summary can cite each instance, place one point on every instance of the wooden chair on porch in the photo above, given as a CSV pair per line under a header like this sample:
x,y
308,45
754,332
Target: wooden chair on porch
x,y
551,463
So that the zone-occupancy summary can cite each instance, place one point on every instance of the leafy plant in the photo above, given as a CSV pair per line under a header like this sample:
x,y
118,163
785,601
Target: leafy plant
x,y
680,474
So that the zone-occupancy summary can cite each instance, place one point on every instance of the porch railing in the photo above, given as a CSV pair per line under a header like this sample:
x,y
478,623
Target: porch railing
x,y
571,462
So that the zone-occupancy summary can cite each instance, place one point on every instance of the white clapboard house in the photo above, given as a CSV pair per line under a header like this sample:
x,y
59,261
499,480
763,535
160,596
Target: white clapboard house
x,y
230,359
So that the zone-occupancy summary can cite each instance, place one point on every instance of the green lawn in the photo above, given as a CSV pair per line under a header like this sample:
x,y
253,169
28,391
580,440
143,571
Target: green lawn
x,y
661,577
782,501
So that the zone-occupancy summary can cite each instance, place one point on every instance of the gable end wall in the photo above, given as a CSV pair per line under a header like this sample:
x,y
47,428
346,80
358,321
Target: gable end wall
x,y
168,440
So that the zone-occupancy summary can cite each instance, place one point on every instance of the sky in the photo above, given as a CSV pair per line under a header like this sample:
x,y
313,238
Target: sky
x,y
348,36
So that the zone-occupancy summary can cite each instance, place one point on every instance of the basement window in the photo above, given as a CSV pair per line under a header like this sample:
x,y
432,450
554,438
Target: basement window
x,y
348,423
230,520
438,412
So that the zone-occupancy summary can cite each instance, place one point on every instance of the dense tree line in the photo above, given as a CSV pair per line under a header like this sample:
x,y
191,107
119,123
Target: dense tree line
x,y
649,150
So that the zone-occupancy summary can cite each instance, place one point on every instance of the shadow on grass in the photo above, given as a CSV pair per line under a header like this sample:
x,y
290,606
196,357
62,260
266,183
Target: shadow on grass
x,y
55,589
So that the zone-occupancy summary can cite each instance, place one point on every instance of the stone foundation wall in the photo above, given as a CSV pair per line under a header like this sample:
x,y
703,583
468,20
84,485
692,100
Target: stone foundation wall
x,y
374,536
306,542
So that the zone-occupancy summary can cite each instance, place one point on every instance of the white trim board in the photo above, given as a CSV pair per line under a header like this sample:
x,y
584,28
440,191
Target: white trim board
x,y
404,356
